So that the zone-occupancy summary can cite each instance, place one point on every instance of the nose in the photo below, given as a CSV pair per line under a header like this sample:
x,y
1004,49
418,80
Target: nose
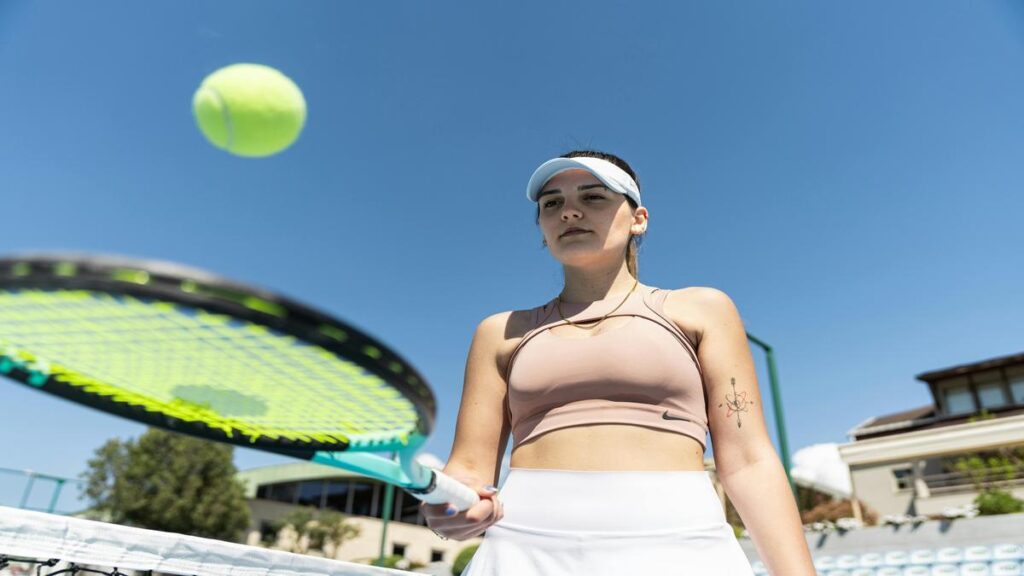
x,y
570,212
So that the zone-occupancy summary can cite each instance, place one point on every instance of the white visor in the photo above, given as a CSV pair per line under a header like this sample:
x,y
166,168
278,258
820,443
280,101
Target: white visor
x,y
615,178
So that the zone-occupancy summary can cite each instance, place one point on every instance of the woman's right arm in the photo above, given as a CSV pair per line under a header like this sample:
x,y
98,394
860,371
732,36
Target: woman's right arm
x,y
482,428
481,433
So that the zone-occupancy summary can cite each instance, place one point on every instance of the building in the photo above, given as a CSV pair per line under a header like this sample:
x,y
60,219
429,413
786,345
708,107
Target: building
x,y
902,463
275,491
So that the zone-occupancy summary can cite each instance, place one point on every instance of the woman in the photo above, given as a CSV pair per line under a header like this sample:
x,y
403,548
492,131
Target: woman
x,y
609,390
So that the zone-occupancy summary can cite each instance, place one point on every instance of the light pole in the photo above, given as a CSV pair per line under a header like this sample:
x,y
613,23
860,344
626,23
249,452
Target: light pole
x,y
389,499
780,421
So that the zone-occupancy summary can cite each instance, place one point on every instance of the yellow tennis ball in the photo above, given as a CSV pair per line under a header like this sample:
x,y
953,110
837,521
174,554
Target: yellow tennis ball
x,y
249,110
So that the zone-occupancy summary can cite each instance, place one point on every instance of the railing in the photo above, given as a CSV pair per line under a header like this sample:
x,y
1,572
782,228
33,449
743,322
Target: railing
x,y
970,481
31,477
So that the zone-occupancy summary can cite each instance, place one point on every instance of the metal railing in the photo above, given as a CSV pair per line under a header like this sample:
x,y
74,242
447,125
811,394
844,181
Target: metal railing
x,y
31,477
970,481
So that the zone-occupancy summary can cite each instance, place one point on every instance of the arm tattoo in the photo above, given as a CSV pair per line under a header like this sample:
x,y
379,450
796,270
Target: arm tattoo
x,y
736,403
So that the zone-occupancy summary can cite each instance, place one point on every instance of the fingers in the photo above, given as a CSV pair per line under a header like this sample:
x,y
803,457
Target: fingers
x,y
467,523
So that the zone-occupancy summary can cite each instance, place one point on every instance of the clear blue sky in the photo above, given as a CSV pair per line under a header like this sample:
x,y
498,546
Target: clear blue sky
x,y
851,173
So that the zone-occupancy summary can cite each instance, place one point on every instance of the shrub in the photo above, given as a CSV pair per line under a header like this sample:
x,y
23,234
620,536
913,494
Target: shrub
x,y
992,502
462,560
836,509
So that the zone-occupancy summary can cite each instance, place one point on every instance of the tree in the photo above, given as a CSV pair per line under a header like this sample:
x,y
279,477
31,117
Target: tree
x,y
169,482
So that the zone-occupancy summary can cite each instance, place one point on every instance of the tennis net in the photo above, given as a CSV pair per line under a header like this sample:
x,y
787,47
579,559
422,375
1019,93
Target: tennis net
x,y
46,544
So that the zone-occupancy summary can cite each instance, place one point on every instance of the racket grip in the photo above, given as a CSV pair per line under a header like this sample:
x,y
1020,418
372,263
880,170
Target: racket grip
x,y
445,489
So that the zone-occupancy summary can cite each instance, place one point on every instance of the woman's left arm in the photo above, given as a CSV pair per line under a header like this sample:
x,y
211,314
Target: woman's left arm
x,y
745,460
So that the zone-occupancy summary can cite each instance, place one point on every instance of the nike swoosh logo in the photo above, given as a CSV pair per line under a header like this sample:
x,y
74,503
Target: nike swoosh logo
x,y
667,417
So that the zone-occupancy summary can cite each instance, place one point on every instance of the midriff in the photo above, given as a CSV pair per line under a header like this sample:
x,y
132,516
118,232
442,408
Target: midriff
x,y
609,447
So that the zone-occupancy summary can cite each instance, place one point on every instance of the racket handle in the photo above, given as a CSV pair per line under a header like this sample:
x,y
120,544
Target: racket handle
x,y
445,489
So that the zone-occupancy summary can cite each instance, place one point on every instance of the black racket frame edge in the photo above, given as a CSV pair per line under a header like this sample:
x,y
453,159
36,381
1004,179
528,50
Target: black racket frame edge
x,y
94,273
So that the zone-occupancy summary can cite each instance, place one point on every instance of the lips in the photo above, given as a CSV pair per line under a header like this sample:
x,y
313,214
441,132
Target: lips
x,y
572,231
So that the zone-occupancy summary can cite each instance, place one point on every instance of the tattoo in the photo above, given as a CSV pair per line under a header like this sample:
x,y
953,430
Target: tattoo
x,y
736,403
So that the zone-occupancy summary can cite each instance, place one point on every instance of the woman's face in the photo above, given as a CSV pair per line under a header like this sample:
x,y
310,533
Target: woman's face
x,y
577,199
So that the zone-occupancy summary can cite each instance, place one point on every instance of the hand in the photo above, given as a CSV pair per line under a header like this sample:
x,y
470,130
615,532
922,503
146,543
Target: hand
x,y
470,522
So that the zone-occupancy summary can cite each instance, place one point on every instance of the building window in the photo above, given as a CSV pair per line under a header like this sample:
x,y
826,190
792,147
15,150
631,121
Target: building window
x,y
436,555
990,389
904,478
407,509
362,499
398,549
1016,377
310,493
282,492
957,397
337,496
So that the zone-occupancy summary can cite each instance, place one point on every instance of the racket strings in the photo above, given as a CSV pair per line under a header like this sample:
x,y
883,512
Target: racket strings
x,y
199,366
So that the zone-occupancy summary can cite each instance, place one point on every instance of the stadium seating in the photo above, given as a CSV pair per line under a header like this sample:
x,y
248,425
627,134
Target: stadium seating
x,y
996,560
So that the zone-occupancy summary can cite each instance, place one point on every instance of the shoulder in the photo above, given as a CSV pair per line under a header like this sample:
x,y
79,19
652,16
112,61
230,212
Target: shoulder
x,y
506,325
695,309
501,332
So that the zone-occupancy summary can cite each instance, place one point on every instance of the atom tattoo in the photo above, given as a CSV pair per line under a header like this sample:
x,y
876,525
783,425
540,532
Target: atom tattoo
x,y
736,403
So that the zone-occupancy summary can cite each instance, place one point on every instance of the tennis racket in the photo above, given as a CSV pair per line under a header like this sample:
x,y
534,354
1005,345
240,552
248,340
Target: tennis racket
x,y
185,350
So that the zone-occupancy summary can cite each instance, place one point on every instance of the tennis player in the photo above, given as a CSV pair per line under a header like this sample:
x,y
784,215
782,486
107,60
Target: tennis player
x,y
609,391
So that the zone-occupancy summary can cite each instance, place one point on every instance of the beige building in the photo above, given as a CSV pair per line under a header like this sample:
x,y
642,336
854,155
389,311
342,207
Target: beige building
x,y
274,491
902,463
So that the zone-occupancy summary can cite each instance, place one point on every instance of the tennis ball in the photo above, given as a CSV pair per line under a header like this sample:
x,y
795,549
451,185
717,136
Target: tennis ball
x,y
249,110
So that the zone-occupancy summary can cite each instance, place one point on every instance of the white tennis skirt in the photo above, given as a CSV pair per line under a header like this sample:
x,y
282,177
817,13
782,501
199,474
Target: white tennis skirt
x,y
595,523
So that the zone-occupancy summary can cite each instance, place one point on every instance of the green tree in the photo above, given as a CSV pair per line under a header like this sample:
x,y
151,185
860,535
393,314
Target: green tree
x,y
169,482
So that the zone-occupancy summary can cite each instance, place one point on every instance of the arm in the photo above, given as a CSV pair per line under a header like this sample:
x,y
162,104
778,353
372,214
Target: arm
x,y
747,464
482,428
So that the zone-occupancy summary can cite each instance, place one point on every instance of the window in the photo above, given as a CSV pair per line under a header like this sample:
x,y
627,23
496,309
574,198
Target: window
x,y
311,493
1016,377
283,492
990,389
407,509
362,499
397,548
957,396
904,478
436,555
338,495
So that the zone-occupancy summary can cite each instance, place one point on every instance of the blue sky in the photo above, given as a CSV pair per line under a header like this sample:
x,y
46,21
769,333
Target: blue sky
x,y
850,173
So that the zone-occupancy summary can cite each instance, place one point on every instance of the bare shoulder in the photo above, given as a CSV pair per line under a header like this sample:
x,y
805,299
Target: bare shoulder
x,y
503,331
694,308
510,324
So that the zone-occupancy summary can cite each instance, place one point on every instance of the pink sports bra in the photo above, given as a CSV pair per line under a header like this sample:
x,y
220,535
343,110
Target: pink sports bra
x,y
644,371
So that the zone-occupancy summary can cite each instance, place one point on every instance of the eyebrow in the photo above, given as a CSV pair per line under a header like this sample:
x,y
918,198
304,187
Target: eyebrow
x,y
580,188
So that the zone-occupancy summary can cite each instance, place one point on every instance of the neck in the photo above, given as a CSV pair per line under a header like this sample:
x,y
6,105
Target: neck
x,y
588,285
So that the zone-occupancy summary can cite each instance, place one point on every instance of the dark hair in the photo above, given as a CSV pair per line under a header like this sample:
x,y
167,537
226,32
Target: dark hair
x,y
635,240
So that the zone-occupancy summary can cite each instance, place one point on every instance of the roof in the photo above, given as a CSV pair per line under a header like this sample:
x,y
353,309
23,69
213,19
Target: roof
x,y
962,369
920,418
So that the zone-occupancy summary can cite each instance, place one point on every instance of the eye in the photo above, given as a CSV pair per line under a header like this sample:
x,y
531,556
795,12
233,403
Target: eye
x,y
548,203
598,196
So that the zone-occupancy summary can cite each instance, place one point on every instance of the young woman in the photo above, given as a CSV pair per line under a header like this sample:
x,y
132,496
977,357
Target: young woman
x,y
609,390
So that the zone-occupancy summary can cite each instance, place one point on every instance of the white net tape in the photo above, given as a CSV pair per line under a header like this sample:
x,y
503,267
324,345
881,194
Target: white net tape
x,y
37,535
